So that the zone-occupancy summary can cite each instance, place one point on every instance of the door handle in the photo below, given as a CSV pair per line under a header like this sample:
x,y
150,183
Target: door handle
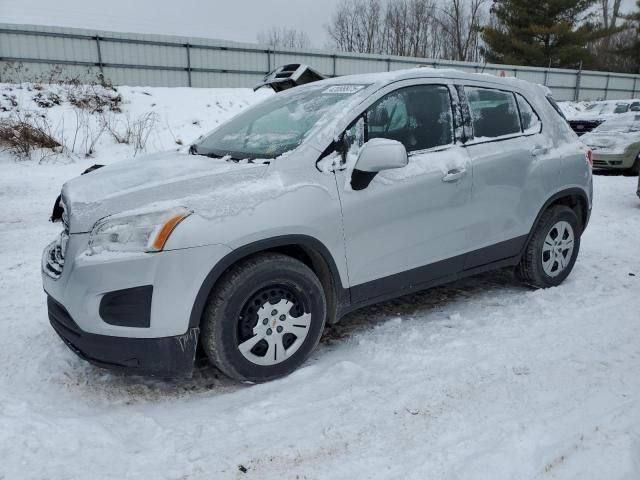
x,y
539,150
454,175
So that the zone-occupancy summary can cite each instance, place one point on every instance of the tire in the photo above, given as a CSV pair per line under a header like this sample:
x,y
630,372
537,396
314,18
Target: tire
x,y
547,261
271,304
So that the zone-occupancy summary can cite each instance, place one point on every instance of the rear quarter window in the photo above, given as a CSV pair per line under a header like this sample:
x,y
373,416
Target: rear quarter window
x,y
530,120
555,106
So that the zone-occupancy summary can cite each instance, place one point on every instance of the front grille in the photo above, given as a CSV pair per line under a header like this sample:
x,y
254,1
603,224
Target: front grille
x,y
53,256
65,214
600,163
54,253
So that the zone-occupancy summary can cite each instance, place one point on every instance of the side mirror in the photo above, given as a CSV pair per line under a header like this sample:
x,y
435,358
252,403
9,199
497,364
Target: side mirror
x,y
381,154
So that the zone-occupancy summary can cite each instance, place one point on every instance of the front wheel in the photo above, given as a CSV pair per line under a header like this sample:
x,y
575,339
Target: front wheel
x,y
552,249
264,318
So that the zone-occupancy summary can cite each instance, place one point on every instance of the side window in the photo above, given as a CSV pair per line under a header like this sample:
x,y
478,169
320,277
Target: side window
x,y
530,120
419,117
493,112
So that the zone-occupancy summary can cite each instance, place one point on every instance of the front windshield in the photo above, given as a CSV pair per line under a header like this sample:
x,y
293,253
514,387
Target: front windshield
x,y
595,108
626,124
621,108
277,125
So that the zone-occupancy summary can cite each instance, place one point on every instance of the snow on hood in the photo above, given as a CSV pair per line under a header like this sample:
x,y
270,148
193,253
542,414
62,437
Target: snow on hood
x,y
169,178
611,142
590,116
603,110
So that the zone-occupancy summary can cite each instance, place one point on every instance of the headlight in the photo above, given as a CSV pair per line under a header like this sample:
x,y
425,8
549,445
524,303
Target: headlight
x,y
139,232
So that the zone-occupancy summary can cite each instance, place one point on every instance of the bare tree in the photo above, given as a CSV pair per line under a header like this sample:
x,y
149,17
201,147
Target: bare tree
x,y
368,25
284,37
418,28
610,12
461,22
620,37
410,29
355,26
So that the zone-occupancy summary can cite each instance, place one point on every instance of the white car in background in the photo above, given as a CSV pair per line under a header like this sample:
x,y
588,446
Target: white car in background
x,y
595,113
616,144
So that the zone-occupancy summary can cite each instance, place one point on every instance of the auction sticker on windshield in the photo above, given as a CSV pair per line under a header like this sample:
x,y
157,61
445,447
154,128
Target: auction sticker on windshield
x,y
348,89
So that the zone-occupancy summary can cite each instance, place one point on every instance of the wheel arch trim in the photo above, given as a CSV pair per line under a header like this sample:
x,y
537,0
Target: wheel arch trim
x,y
305,242
567,192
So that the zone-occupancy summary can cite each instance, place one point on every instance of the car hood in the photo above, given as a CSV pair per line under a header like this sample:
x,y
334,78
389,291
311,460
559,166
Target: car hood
x,y
610,140
162,180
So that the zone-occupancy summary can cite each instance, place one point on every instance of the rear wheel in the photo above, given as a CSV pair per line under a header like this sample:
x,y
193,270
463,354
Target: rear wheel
x,y
264,318
552,249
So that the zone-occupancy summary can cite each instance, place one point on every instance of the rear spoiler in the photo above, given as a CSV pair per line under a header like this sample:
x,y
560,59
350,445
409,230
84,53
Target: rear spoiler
x,y
289,76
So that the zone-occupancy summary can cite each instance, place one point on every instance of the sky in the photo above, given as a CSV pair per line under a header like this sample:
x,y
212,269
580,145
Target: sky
x,y
239,20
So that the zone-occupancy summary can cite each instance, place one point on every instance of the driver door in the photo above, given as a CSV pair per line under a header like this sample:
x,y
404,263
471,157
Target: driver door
x,y
406,227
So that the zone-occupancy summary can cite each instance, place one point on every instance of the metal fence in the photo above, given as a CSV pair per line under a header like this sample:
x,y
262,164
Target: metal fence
x,y
172,61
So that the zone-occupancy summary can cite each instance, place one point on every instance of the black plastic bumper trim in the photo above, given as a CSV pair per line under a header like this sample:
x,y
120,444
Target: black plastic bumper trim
x,y
163,357
130,307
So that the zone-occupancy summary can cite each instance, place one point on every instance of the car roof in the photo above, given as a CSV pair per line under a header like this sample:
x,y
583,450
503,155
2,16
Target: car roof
x,y
428,72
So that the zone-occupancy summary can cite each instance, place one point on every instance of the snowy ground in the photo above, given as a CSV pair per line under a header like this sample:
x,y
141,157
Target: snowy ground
x,y
482,379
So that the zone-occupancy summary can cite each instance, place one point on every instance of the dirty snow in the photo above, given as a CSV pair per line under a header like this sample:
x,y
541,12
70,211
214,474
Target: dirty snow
x,y
482,379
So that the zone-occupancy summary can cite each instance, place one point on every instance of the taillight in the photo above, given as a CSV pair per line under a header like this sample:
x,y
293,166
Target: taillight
x,y
589,156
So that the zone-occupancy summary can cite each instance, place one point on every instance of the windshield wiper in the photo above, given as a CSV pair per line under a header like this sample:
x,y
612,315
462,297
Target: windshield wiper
x,y
193,150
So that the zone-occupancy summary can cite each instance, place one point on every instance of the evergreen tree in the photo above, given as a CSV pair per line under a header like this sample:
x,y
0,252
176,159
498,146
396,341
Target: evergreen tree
x,y
541,33
634,50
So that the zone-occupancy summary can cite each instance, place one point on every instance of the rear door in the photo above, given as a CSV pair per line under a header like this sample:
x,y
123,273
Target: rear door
x,y
508,153
407,226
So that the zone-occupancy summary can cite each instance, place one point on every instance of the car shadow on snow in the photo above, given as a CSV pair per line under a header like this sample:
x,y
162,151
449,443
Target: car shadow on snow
x,y
129,389
423,303
609,173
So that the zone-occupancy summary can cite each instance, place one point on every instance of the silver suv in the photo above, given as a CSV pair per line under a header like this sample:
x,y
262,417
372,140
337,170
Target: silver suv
x,y
312,203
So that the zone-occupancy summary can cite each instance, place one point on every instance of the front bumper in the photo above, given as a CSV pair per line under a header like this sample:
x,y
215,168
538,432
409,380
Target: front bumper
x,y
175,275
163,357
612,161
128,312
